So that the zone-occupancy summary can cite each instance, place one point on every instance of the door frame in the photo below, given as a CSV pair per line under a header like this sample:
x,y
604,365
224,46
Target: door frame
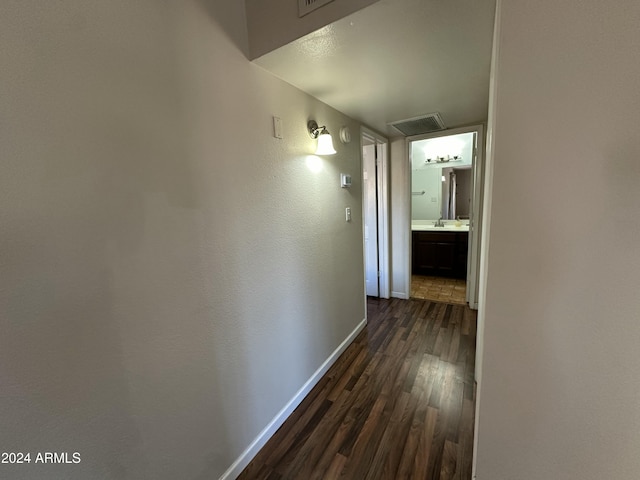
x,y
475,224
382,151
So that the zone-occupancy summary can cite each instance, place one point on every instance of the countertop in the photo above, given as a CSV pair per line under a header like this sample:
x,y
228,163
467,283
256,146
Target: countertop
x,y
449,226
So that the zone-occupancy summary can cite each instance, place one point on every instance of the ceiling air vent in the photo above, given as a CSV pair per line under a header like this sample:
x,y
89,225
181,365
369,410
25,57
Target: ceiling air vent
x,y
308,6
417,125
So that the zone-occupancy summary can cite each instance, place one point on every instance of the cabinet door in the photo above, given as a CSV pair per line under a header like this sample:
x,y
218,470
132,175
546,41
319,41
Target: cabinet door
x,y
446,257
461,255
427,256
434,253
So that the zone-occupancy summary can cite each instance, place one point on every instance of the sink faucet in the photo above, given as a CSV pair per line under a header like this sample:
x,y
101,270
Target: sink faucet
x,y
439,223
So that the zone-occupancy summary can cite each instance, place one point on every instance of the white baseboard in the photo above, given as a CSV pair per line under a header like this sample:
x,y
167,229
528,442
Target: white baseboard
x,y
402,295
251,451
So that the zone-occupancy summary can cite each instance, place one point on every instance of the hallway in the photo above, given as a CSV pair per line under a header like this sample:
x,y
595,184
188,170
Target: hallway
x,y
399,403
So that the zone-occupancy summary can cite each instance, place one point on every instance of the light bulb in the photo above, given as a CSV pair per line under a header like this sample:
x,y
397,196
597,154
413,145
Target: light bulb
x,y
325,144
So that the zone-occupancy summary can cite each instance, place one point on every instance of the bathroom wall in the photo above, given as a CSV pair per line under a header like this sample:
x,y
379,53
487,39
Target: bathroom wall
x,y
172,274
426,206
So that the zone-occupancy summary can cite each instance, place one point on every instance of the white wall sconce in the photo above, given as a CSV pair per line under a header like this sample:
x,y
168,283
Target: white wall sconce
x,y
325,142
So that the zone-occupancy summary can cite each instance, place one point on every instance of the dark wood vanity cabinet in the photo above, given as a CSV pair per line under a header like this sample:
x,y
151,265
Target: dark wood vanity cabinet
x,y
442,254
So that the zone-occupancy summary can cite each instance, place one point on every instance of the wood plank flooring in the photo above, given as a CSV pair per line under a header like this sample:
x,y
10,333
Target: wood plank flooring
x,y
398,403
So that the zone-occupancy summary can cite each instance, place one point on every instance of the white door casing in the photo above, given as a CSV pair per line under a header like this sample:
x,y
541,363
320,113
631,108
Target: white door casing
x,y
370,216
375,181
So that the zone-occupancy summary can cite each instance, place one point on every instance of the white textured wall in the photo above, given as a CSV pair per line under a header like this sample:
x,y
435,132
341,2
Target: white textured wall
x,y
171,274
428,180
274,23
400,218
560,391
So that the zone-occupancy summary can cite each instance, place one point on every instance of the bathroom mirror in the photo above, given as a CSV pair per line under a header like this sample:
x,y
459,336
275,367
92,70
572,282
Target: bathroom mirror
x,y
441,177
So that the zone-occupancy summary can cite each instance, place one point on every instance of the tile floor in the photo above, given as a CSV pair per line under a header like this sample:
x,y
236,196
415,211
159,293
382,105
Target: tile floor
x,y
439,289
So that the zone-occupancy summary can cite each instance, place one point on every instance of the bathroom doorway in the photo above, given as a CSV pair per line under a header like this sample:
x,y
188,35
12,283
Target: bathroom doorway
x,y
446,206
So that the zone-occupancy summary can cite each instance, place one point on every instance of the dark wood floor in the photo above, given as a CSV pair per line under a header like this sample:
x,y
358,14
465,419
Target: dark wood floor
x,y
399,403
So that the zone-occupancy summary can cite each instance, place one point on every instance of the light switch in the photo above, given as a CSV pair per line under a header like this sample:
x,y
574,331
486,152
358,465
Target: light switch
x,y
277,127
347,214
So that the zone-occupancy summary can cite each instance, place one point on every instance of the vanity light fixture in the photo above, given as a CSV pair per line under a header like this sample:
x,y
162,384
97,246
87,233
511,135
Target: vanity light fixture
x,y
447,159
325,142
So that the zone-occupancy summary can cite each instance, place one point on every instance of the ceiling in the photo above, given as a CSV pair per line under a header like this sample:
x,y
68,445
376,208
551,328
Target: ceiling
x,y
397,59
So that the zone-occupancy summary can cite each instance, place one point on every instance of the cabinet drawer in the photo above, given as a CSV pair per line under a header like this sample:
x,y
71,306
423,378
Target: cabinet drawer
x,y
447,237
